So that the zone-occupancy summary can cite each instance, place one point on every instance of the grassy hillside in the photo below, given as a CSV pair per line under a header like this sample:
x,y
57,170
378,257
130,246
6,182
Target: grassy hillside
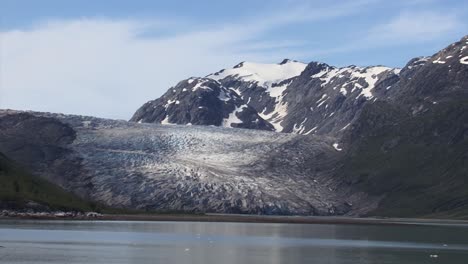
x,y
17,187
420,164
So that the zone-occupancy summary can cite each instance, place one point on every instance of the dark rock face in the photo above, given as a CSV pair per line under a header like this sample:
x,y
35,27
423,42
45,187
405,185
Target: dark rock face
x,y
41,144
201,101
413,145
429,80
419,162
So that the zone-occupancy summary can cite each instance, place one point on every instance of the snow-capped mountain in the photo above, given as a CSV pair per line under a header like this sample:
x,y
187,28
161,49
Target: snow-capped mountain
x,y
265,75
321,99
286,97
294,97
380,141
201,101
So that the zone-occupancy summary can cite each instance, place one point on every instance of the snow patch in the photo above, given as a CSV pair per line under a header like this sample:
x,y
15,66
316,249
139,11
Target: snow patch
x,y
232,118
169,102
343,91
438,61
328,74
200,85
336,146
310,131
277,91
165,121
370,76
300,129
345,127
276,116
223,96
263,74
322,100
464,60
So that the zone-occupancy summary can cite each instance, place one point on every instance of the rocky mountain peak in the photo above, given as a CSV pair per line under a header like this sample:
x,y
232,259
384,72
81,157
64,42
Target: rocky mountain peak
x,y
200,101
317,98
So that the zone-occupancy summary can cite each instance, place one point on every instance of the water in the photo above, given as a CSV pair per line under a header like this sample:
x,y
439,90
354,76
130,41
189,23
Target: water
x,y
28,241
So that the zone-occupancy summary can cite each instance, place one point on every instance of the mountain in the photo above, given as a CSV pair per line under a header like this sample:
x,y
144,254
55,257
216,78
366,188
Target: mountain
x,y
21,190
291,96
294,97
413,146
319,99
180,168
201,101
371,141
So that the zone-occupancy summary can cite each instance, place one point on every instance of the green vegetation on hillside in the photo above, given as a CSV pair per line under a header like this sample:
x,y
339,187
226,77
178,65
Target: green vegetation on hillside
x,y
17,187
420,164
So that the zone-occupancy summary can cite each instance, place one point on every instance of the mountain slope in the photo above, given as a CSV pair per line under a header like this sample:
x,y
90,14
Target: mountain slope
x,y
413,146
186,168
291,96
419,162
201,101
317,98
19,190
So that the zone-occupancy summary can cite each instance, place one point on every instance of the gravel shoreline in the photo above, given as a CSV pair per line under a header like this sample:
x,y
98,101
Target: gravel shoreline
x,y
234,218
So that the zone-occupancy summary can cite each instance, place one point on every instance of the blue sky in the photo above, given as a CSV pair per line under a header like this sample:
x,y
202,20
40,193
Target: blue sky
x,y
106,58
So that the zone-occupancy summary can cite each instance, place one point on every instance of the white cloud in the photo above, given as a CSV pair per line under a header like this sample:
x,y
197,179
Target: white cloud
x,y
101,67
406,28
411,26
108,68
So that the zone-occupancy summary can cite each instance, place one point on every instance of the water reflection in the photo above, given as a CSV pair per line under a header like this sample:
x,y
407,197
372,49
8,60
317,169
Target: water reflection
x,y
189,242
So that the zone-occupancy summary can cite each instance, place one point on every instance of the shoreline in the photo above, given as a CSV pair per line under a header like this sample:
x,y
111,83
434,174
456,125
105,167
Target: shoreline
x,y
237,218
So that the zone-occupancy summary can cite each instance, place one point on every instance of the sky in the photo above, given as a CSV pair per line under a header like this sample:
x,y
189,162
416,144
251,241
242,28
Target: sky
x,y
106,58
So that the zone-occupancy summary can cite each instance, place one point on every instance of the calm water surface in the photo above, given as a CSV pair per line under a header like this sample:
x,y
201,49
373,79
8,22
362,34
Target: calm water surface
x,y
27,241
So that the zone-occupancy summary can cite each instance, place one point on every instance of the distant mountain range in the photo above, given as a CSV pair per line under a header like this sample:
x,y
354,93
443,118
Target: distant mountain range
x,y
354,141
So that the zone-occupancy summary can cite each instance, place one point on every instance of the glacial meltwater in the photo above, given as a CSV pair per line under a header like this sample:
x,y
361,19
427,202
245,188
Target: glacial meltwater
x,y
30,241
